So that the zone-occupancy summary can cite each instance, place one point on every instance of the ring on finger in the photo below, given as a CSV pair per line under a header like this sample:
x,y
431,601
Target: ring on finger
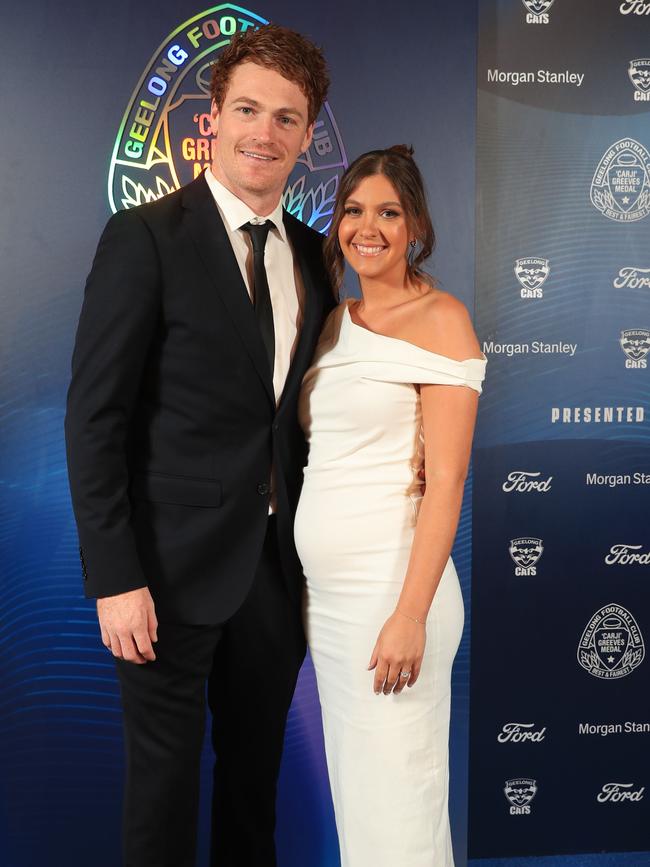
x,y
405,674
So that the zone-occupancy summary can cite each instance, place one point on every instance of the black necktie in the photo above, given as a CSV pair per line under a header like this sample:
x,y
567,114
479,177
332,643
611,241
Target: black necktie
x,y
261,294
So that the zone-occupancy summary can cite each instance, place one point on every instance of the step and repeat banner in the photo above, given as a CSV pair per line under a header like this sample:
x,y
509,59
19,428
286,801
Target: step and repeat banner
x,y
123,120
561,590
560,720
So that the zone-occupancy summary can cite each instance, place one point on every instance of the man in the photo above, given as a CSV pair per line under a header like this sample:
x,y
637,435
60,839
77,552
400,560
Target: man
x,y
200,317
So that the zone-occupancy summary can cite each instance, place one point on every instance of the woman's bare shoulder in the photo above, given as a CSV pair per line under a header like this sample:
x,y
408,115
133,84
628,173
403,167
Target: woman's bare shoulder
x,y
440,322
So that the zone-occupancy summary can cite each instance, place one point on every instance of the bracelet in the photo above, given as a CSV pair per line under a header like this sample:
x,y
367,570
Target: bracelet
x,y
408,617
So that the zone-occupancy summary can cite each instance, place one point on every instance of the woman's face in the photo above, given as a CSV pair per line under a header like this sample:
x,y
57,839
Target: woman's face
x,y
373,233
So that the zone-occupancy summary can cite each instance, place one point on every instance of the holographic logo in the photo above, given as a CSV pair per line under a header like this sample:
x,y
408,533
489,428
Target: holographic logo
x,y
164,139
621,185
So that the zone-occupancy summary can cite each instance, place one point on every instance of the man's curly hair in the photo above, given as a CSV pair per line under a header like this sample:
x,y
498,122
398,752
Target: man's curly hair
x,y
274,47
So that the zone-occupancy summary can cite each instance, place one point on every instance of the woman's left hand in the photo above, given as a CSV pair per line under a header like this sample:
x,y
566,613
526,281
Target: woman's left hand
x,y
398,651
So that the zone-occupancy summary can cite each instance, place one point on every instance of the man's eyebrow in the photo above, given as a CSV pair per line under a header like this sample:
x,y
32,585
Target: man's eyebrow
x,y
247,100
290,110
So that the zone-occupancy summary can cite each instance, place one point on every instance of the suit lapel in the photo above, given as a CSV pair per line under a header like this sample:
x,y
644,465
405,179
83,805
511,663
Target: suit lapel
x,y
215,250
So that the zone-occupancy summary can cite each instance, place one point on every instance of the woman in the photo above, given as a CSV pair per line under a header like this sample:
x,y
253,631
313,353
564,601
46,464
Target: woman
x,y
383,605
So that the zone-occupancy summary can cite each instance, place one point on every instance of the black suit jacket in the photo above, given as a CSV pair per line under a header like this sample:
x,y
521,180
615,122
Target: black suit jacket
x,y
171,424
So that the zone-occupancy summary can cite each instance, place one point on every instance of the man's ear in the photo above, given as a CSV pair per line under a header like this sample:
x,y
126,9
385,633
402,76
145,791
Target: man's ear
x,y
214,117
309,134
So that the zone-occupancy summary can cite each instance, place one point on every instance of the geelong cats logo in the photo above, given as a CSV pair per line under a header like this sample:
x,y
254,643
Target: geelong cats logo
x,y
620,188
611,645
537,11
531,274
520,792
635,343
639,72
525,553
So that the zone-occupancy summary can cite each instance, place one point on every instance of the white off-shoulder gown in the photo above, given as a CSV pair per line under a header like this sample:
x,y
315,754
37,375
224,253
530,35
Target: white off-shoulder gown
x,y
387,756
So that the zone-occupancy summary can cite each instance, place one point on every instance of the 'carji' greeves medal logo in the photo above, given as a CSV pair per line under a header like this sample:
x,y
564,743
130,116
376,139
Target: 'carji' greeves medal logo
x,y
639,72
537,11
525,553
611,645
523,482
164,139
520,792
620,188
531,274
635,343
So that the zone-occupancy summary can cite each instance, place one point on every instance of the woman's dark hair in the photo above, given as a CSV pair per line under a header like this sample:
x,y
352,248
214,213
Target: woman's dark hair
x,y
397,164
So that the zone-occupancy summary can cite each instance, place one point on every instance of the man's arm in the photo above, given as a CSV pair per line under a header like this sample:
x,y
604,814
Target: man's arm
x,y
119,314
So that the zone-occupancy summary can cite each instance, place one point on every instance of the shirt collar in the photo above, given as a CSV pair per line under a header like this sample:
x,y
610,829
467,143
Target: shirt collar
x,y
235,212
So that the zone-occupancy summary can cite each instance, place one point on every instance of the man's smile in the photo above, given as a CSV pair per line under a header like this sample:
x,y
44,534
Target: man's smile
x,y
256,155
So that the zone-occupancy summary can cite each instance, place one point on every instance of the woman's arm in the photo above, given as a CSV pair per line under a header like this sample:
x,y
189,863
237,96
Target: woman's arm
x,y
449,413
448,418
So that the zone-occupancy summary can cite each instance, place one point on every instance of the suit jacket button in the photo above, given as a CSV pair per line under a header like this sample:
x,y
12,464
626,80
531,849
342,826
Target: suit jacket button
x,y
276,426
262,488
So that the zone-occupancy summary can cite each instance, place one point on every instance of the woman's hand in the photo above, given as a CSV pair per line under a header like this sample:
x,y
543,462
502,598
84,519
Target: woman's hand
x,y
398,651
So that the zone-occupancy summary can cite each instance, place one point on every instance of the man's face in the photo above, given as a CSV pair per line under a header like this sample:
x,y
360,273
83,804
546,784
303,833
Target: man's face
x,y
260,131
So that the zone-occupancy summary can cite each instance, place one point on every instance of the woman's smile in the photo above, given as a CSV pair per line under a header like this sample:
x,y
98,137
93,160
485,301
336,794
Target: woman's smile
x,y
368,250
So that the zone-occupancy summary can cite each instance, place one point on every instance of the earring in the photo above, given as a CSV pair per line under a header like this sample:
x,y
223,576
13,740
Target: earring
x,y
413,242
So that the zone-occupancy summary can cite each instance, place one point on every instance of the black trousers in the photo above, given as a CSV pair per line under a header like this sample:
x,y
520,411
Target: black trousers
x,y
250,664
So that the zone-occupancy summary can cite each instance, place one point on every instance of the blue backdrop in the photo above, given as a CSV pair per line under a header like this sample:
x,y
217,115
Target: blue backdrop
x,y
404,74
69,71
559,722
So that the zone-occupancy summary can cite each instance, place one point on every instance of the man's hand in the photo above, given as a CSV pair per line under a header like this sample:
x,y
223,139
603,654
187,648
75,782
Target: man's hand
x,y
128,625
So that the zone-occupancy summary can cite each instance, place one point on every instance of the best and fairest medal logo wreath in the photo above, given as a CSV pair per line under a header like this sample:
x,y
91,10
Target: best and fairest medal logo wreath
x,y
164,140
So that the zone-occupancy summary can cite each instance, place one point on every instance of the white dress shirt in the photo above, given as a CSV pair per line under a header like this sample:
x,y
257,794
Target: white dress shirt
x,y
283,276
